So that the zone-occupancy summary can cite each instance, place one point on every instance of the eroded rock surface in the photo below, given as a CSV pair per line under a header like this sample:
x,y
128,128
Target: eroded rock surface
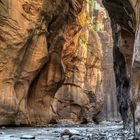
x,y
50,62
125,22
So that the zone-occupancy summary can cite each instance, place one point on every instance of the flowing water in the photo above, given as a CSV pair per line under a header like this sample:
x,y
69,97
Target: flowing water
x,y
103,131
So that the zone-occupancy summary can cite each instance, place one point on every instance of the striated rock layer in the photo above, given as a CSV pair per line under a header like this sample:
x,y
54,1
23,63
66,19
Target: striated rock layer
x,y
50,62
102,24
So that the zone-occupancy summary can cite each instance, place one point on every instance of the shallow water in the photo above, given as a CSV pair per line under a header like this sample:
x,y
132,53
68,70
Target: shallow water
x,y
104,131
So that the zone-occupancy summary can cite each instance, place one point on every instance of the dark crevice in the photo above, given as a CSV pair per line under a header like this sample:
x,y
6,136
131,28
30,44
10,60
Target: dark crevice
x,y
122,18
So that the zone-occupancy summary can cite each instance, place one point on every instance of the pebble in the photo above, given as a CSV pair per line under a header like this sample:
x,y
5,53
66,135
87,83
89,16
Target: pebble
x,y
2,133
27,137
126,131
131,138
89,136
12,136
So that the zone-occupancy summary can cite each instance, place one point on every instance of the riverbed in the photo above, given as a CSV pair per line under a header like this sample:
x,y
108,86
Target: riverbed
x,y
103,131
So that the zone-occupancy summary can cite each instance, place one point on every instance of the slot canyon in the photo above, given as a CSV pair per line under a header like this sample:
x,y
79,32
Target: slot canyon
x,y
69,69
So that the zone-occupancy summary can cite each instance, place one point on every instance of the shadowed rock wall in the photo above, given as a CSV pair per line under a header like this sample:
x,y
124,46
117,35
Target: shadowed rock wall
x,y
125,21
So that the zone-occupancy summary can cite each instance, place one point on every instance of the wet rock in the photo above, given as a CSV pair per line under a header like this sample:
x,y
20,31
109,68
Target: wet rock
x,y
103,134
65,138
95,137
89,136
119,138
109,137
131,138
126,131
75,137
12,136
27,137
69,132
3,127
2,133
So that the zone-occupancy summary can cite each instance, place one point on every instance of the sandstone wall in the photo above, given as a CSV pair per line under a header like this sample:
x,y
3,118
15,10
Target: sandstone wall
x,y
125,20
50,62
103,27
110,108
80,97
136,60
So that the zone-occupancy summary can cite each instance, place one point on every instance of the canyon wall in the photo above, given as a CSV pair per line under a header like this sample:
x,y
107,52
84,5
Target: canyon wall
x,y
50,62
103,27
110,108
51,67
125,18
135,80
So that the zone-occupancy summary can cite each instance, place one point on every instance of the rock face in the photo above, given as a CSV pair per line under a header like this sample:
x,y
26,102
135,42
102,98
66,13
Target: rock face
x,y
135,61
80,95
126,52
110,108
103,27
50,62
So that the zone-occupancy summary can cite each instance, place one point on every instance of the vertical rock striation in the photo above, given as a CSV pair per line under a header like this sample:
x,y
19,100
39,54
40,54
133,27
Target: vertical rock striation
x,y
79,98
50,66
125,20
102,24
32,38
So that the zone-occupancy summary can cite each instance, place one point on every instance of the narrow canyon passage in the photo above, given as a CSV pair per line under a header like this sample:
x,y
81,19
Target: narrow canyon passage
x,y
70,67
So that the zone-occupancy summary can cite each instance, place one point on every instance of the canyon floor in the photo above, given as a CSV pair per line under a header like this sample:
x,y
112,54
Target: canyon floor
x,y
103,131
